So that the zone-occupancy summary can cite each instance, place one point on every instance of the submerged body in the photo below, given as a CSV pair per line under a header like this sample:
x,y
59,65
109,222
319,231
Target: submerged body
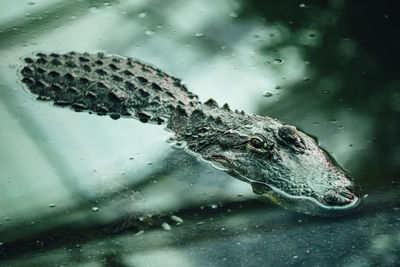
x,y
279,161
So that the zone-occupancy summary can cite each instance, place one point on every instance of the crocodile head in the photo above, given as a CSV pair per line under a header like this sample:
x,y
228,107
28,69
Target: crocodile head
x,y
285,165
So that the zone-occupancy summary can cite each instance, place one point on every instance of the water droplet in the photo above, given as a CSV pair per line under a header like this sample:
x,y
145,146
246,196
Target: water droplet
x,y
176,219
233,15
131,158
31,3
302,5
277,87
267,94
139,233
213,206
149,163
306,79
191,185
166,226
326,92
149,32
142,15
95,209
199,34
278,61
52,205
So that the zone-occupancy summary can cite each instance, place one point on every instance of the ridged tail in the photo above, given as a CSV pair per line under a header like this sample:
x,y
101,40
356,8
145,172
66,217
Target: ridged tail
x,y
106,85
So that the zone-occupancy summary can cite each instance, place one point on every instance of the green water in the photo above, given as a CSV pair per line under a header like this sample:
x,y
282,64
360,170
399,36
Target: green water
x,y
69,181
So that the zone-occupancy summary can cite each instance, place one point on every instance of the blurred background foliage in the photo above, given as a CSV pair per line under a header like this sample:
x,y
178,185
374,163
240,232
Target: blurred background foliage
x,y
354,57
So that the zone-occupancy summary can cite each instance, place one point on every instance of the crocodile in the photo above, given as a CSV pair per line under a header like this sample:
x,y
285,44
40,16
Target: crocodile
x,y
280,162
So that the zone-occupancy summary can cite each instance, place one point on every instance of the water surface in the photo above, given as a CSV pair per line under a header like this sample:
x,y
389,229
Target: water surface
x,y
331,69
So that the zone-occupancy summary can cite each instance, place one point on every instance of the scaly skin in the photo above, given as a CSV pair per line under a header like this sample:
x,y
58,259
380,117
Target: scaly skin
x,y
279,161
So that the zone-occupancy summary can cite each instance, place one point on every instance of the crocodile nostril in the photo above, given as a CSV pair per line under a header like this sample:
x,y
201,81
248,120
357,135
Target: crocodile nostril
x,y
339,199
354,189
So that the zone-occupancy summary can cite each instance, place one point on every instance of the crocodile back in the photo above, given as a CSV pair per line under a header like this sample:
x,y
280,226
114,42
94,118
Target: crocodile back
x,y
106,85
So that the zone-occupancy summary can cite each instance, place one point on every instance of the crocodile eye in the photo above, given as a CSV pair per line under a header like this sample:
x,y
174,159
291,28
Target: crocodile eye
x,y
257,141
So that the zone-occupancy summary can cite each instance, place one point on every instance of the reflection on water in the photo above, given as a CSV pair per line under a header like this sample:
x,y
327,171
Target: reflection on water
x,y
66,177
